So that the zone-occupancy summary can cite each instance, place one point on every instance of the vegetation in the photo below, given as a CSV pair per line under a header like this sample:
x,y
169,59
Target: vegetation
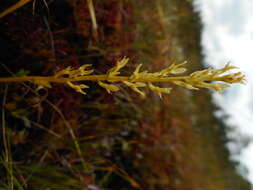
x,y
137,79
55,138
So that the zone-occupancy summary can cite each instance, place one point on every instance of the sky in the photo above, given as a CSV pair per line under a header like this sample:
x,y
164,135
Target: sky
x,y
228,37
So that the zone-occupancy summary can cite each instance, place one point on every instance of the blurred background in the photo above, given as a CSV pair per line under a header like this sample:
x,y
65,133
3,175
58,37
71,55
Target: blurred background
x,y
58,139
227,36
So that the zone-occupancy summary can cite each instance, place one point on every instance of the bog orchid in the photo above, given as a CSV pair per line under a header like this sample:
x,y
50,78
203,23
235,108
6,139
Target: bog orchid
x,y
214,79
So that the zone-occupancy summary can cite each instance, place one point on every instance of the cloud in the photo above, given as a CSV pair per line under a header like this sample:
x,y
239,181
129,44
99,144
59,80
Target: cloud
x,y
228,36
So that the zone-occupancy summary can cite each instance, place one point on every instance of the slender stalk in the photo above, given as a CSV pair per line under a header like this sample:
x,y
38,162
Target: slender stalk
x,y
14,7
138,79
98,78
7,146
86,166
89,78
93,18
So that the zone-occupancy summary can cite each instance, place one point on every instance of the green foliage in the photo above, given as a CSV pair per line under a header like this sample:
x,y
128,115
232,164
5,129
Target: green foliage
x,y
22,73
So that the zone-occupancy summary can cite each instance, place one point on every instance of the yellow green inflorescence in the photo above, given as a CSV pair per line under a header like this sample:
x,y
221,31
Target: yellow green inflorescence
x,y
138,79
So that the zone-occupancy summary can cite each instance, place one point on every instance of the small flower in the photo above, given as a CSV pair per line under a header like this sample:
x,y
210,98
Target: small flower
x,y
159,90
109,87
74,73
135,86
115,70
78,88
173,69
185,85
